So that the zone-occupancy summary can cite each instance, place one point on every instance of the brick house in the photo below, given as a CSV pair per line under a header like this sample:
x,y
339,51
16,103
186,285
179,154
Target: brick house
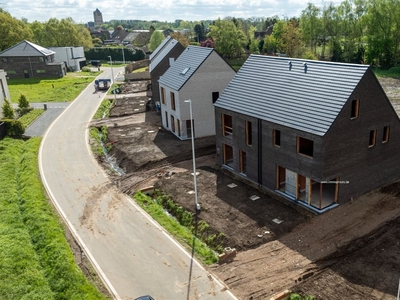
x,y
198,74
160,60
28,60
318,133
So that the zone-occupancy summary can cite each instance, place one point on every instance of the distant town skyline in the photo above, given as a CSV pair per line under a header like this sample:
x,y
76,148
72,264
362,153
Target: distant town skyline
x,y
81,11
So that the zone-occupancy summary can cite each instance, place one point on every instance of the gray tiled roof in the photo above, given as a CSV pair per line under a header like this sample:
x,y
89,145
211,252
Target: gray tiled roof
x,y
26,48
190,60
160,47
266,88
162,50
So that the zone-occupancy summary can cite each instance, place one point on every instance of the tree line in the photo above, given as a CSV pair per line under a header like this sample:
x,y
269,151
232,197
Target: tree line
x,y
354,31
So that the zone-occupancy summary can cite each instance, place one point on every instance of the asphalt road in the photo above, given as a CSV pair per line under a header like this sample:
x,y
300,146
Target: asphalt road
x,y
133,255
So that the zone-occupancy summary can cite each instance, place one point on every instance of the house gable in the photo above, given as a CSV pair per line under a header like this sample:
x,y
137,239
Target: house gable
x,y
184,67
301,94
167,48
26,49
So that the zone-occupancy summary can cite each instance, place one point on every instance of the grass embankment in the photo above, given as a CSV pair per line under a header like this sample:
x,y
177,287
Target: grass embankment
x,y
62,89
30,117
183,226
35,259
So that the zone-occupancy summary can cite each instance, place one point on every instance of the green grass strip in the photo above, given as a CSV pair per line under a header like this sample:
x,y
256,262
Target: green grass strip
x,y
31,116
36,261
21,275
181,233
63,89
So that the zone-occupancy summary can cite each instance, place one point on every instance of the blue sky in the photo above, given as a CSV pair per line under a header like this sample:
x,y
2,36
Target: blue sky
x,y
163,10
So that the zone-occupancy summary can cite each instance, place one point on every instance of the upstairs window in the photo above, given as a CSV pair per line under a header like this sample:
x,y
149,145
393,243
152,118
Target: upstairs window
x,y
386,131
227,125
162,95
215,96
172,101
305,146
355,105
249,133
372,138
277,137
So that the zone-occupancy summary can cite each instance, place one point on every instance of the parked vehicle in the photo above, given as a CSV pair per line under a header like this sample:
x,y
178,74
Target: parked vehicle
x,y
147,297
102,84
95,63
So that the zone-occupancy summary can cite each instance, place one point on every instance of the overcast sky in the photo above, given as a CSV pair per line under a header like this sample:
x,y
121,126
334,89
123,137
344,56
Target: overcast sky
x,y
162,10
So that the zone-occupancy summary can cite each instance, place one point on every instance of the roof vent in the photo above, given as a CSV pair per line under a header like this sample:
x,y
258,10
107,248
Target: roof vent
x,y
290,65
305,67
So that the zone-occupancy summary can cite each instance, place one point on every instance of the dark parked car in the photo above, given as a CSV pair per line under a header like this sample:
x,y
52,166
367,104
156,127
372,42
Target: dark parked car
x,y
95,63
147,297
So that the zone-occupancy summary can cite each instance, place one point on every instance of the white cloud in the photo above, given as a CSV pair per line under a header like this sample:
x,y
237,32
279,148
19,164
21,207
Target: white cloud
x,y
163,10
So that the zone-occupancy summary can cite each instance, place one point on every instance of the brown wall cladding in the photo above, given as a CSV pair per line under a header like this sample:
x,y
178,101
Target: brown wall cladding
x,y
51,70
343,152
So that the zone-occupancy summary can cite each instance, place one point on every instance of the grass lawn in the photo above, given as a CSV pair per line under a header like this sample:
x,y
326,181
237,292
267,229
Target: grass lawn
x,y
62,89
36,261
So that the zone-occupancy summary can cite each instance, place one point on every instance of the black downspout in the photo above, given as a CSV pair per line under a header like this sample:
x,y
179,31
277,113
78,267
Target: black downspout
x,y
259,137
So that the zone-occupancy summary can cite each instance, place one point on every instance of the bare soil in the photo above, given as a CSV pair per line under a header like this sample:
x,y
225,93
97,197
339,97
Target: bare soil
x,y
350,252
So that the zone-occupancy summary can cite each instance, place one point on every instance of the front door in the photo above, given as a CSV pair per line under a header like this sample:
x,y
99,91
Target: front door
x,y
26,73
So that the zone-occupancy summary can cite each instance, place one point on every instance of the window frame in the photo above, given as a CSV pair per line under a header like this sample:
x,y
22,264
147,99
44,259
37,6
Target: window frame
x,y
172,95
386,132
372,138
276,136
355,109
300,146
163,101
249,133
226,132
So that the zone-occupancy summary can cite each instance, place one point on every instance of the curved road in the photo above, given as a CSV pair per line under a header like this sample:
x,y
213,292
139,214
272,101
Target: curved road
x,y
132,254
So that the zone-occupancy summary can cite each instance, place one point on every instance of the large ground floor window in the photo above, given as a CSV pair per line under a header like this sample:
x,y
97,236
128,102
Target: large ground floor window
x,y
313,193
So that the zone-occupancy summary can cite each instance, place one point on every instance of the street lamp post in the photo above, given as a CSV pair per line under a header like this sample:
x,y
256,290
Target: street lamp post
x,y
112,81
123,54
193,156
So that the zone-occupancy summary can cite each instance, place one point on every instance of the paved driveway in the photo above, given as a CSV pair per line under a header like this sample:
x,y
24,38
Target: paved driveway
x,y
132,254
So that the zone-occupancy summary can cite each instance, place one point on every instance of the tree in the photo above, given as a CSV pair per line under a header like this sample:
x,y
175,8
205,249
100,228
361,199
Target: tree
x,y
155,40
208,43
12,31
8,110
199,31
291,40
23,105
311,26
65,32
383,33
229,41
180,38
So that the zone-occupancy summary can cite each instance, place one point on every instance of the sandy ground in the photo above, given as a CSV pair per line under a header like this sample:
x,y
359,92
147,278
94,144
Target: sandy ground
x,y
350,252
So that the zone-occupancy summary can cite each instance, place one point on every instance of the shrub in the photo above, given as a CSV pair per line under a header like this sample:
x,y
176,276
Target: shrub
x,y
8,110
86,69
14,127
23,105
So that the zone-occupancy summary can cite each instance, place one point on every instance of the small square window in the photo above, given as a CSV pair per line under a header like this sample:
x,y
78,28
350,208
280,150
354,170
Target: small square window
x,y
305,146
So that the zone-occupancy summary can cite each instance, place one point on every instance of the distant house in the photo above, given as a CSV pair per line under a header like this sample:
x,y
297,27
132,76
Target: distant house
x,y
198,74
28,60
318,133
160,60
4,93
73,57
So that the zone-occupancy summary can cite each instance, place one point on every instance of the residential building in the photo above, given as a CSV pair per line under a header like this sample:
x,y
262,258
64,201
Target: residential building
x,y
318,133
28,60
160,60
198,74
73,57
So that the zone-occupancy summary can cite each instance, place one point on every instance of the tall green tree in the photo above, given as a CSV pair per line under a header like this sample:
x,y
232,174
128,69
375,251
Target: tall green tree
x,y
229,41
12,31
310,25
65,32
155,40
383,32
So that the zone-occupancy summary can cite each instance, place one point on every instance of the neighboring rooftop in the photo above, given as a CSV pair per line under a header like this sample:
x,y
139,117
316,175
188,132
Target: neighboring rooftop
x,y
26,48
184,67
302,94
